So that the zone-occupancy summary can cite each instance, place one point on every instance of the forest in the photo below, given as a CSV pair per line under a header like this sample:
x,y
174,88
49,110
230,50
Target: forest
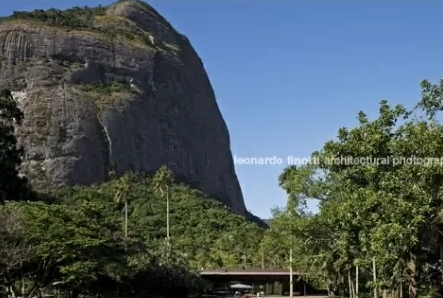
x,y
378,232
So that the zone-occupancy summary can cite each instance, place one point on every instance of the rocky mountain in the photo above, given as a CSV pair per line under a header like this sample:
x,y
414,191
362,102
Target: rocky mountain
x,y
112,89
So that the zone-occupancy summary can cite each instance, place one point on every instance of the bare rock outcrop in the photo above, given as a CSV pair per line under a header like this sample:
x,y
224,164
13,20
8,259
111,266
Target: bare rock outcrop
x,y
116,90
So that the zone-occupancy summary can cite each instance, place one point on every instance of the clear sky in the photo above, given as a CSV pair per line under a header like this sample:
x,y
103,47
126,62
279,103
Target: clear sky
x,y
288,74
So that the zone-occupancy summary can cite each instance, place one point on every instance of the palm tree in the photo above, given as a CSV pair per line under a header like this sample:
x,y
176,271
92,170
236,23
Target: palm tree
x,y
121,195
162,181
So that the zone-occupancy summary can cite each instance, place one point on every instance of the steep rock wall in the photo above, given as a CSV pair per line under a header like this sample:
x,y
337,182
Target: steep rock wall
x,y
101,100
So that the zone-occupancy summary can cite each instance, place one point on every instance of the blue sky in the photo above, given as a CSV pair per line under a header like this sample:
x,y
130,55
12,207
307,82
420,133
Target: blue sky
x,y
289,74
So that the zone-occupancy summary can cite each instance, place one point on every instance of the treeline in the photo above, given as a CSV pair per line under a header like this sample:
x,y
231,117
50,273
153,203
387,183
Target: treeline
x,y
76,245
379,231
110,240
78,250
86,18
76,17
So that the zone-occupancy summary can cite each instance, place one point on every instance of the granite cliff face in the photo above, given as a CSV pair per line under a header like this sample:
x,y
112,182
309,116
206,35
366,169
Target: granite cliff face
x,y
110,90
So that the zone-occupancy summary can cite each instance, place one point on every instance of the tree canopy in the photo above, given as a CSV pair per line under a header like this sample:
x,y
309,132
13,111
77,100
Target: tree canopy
x,y
379,187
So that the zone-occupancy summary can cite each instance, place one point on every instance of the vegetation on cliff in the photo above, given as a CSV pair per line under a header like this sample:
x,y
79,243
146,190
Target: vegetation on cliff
x,y
108,89
96,19
77,17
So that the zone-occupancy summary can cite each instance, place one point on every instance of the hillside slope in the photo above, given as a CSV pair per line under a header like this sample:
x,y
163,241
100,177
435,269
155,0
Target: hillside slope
x,y
204,233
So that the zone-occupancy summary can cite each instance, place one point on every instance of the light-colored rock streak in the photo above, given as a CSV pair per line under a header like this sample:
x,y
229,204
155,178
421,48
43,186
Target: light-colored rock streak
x,y
109,142
19,97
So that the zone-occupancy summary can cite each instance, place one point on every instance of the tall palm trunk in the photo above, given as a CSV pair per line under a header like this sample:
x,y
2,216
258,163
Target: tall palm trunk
x,y
350,288
291,277
440,244
126,218
356,281
412,277
168,243
374,276
401,289
167,214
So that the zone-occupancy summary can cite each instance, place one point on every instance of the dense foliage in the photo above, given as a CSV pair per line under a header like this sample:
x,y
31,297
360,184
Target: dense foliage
x,y
379,229
76,17
208,233
78,245
97,20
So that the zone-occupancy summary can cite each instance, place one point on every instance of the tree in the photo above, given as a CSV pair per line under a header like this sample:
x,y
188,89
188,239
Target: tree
x,y
380,190
121,195
12,187
54,246
14,253
161,182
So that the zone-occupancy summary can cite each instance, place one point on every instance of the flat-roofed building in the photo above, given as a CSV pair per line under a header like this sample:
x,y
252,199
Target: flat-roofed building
x,y
270,281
